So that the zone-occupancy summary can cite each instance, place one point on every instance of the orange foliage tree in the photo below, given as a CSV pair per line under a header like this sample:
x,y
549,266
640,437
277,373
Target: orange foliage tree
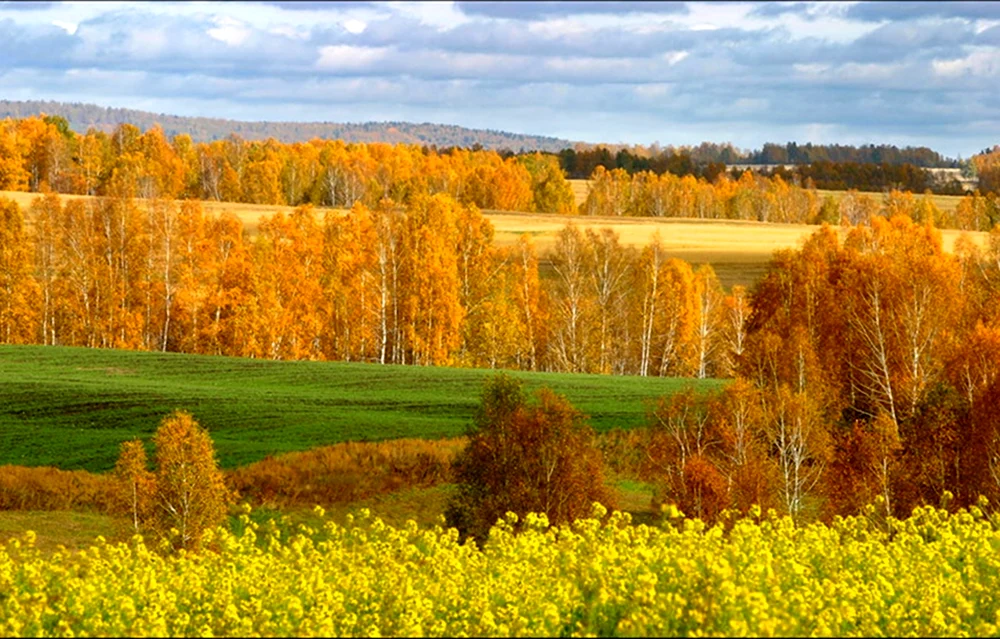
x,y
135,488
18,289
190,493
522,458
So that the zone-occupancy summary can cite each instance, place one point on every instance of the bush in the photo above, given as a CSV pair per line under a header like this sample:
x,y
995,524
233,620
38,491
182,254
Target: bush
x,y
522,459
346,472
47,488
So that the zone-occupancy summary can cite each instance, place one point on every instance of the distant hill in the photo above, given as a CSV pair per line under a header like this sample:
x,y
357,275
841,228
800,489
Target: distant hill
x,y
83,116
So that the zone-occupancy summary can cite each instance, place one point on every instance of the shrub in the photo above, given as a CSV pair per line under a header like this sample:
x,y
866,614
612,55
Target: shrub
x,y
47,488
523,458
346,472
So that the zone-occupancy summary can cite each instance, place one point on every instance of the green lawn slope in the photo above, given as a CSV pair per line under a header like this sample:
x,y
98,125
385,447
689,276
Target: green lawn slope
x,y
72,407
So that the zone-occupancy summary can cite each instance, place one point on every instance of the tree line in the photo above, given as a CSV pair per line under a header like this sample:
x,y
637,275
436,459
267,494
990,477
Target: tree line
x,y
41,153
793,153
420,284
82,117
827,174
771,199
581,160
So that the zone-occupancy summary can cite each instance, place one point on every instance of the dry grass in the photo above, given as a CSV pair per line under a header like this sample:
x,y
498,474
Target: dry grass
x,y
77,530
27,488
580,190
73,529
738,250
347,472
946,203
249,214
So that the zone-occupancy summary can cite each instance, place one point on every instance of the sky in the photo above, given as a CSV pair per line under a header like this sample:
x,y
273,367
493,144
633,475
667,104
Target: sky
x,y
903,73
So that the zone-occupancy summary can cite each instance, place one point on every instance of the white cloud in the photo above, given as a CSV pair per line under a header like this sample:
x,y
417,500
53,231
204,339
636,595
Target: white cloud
x,y
345,57
558,27
673,57
440,15
982,63
354,26
811,69
69,27
649,91
983,25
870,72
147,44
290,32
230,31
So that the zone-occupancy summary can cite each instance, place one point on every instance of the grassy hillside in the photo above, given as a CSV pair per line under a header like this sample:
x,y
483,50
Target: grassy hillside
x,y
72,407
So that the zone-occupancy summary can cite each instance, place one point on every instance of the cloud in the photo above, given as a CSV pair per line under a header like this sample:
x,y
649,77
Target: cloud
x,y
591,71
320,5
68,27
978,64
989,36
354,26
878,11
6,5
774,9
534,10
232,32
346,57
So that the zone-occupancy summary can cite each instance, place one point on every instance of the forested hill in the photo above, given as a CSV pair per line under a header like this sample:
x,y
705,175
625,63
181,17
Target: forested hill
x,y
83,116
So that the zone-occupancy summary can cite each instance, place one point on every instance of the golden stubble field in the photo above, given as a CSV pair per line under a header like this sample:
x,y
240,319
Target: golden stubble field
x,y
738,250
249,214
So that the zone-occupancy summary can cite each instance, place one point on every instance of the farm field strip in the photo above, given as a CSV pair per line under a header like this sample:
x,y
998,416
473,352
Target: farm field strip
x,y
946,203
72,407
581,188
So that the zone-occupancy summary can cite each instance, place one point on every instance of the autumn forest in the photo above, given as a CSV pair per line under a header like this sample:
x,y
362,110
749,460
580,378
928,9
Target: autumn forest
x,y
865,361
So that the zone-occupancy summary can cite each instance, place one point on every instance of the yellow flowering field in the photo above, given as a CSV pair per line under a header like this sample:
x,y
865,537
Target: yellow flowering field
x,y
933,573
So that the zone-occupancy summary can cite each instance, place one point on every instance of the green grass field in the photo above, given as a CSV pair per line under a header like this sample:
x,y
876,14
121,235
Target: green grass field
x,y
72,407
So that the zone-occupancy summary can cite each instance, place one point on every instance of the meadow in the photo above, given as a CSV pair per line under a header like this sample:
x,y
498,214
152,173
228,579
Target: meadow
x,y
72,407
947,203
249,214
944,202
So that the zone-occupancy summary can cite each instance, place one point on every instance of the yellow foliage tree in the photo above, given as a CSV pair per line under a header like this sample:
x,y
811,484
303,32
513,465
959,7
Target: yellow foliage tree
x,y
17,287
191,495
135,487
